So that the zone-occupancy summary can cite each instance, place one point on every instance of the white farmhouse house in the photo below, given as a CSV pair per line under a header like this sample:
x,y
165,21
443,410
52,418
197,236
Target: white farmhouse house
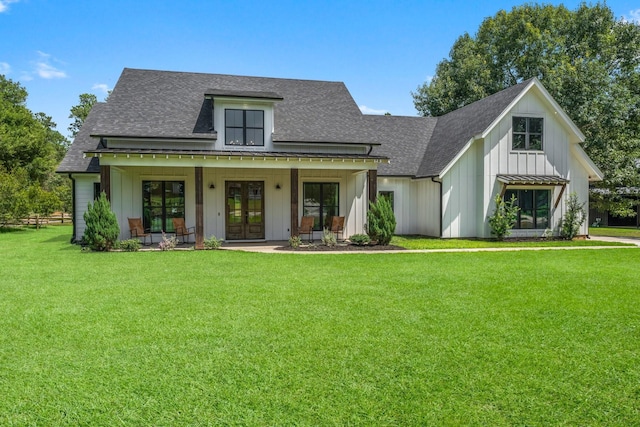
x,y
244,158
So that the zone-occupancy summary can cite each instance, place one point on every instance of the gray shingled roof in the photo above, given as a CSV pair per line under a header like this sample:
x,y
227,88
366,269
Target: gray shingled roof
x,y
455,129
404,141
166,104
74,160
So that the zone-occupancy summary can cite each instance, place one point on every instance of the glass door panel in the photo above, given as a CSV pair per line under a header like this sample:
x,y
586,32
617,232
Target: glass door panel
x,y
244,210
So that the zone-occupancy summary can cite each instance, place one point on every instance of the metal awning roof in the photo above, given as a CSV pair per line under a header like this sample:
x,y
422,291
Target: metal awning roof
x,y
532,180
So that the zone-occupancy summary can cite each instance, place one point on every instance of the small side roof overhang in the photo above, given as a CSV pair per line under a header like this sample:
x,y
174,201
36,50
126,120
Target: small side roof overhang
x,y
553,180
532,180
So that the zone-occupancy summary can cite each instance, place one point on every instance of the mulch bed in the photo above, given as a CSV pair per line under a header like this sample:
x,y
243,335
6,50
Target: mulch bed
x,y
340,247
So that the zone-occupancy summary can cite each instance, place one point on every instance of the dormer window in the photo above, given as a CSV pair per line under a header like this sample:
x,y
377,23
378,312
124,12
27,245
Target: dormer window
x,y
244,127
527,133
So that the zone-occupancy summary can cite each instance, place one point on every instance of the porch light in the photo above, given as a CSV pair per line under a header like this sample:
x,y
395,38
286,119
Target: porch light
x,y
278,186
212,186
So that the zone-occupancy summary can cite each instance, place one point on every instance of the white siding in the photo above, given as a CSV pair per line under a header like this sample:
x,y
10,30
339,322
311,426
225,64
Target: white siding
x,y
459,196
83,196
416,205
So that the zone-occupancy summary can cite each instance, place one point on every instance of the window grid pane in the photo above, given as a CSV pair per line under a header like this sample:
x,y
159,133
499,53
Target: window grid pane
x,y
321,201
534,208
244,127
162,201
527,133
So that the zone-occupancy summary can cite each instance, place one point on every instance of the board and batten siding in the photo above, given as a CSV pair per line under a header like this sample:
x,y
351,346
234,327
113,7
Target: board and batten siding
x,y
460,187
416,205
83,196
555,159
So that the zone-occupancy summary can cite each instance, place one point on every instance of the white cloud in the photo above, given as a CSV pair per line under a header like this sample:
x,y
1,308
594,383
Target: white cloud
x,y
367,110
4,4
45,70
4,68
634,16
102,87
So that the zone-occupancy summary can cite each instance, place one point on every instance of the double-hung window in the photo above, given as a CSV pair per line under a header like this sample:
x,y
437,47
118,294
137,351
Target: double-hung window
x,y
321,201
161,202
527,133
244,127
534,208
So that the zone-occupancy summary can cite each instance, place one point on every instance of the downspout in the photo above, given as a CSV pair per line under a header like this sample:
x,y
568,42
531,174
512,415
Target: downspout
x,y
73,207
433,178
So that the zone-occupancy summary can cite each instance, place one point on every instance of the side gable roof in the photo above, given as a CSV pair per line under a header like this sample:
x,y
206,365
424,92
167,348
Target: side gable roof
x,y
167,104
456,129
74,160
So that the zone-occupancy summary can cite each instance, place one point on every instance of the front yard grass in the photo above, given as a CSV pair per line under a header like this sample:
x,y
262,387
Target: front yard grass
x,y
422,242
632,232
223,337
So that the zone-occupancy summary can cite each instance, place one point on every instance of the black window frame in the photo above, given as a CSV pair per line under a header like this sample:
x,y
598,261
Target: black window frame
x,y
243,127
534,209
527,134
324,211
147,206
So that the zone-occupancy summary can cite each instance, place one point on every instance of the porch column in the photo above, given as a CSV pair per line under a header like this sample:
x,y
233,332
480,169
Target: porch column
x,y
373,185
294,202
199,212
105,180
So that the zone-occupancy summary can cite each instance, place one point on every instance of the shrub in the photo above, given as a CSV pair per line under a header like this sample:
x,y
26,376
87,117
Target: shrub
x,y
295,241
102,229
504,217
382,221
168,243
129,245
573,218
360,239
212,243
328,238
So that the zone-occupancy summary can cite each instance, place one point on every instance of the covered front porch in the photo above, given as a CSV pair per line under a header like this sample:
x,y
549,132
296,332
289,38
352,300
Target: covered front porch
x,y
237,197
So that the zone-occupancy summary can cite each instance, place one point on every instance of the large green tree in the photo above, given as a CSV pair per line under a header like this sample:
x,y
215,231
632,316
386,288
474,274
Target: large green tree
x,y
80,112
30,150
586,58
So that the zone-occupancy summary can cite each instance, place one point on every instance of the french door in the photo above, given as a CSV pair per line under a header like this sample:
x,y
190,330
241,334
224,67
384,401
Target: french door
x,y
244,210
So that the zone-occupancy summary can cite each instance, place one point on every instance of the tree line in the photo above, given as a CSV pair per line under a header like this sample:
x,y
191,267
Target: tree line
x,y
30,151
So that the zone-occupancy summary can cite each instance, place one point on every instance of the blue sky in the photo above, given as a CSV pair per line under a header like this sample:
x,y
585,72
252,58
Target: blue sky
x,y
382,50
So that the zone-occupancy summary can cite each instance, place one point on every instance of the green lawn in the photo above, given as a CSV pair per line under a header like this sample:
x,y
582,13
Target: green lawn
x,y
421,242
615,231
221,337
